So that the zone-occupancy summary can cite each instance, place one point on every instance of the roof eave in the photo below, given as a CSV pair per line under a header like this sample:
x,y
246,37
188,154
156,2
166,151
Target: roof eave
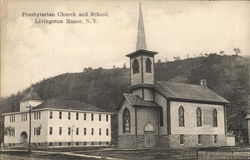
x,y
142,51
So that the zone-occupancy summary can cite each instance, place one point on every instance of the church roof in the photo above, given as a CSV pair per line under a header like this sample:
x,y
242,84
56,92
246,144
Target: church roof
x,y
135,100
183,91
31,95
142,52
65,103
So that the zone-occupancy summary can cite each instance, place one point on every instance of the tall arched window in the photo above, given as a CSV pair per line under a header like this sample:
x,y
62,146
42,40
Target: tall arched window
x,y
198,117
148,65
215,121
181,116
126,120
135,66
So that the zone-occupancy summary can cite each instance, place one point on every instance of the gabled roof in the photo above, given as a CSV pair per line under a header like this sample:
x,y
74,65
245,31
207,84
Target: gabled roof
x,y
135,100
185,91
31,95
65,103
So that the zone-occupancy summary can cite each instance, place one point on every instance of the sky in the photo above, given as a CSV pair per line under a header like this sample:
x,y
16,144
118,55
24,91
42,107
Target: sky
x,y
32,52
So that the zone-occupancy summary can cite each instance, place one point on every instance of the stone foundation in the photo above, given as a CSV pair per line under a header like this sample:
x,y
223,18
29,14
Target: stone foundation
x,y
171,141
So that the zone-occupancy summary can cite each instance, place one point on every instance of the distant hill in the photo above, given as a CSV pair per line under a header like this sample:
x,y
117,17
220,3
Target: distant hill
x,y
226,75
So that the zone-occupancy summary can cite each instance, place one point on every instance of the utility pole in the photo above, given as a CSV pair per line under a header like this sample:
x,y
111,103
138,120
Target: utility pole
x,y
29,149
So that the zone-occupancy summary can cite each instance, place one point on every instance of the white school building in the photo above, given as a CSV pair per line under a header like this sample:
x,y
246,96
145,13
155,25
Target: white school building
x,y
57,122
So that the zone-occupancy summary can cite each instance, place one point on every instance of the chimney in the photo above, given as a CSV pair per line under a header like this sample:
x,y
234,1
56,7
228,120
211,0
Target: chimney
x,y
204,82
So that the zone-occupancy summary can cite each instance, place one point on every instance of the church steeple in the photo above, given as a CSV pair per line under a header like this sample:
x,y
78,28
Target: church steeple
x,y
141,38
142,60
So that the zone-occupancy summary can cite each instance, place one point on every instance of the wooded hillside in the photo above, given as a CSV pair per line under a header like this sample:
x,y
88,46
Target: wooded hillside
x,y
226,75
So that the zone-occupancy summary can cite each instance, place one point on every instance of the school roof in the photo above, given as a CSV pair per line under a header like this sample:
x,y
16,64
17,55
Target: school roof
x,y
31,95
65,103
183,91
135,100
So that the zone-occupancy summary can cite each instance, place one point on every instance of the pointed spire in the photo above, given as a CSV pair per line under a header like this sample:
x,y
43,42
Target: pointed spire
x,y
141,38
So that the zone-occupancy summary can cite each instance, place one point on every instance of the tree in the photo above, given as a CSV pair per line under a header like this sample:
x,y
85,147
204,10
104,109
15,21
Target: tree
x,y
222,52
237,51
177,58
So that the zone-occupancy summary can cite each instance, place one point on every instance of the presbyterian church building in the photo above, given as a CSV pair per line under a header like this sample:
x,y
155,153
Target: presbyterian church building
x,y
167,114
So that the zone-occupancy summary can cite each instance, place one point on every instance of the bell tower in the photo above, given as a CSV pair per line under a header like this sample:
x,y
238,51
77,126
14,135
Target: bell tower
x,y
142,60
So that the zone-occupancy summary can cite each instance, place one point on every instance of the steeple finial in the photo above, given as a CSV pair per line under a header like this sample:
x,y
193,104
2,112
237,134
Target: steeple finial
x,y
141,38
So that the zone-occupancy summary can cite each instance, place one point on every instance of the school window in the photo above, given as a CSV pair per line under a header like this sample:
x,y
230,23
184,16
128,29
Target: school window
x,y
77,131
100,131
38,131
50,143
107,132
60,115
100,117
35,115
69,131
77,116
215,139
24,117
182,140
60,143
85,131
92,143
107,118
50,114
85,143
12,132
69,143
199,139
84,116
92,131
50,130
69,115
34,131
60,130
77,143
100,143
92,117
39,115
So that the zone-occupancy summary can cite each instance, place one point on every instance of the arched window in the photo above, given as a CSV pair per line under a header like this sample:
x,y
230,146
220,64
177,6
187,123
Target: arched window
x,y
148,65
181,116
161,116
198,117
215,121
135,66
126,120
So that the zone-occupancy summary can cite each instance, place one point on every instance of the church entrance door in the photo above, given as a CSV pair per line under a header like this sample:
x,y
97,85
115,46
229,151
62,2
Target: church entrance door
x,y
149,135
149,139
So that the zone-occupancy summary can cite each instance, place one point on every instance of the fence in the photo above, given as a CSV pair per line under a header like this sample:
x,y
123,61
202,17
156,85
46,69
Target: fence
x,y
223,155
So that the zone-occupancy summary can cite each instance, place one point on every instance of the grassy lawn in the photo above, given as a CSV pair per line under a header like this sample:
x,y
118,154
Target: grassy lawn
x,y
146,154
